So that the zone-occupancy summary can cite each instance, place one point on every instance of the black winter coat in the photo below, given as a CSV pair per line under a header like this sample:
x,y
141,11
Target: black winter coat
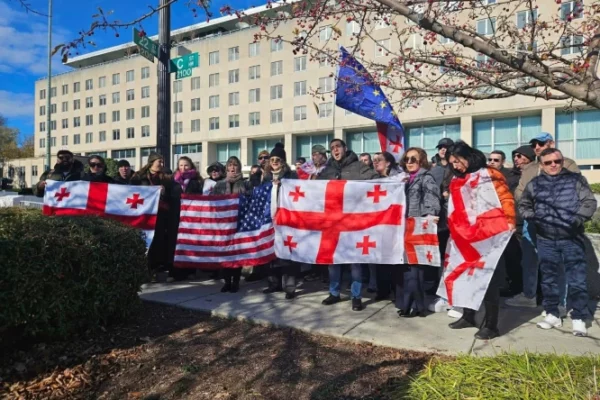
x,y
74,174
350,168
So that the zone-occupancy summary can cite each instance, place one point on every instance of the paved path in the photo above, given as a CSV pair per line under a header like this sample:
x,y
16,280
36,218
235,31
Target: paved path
x,y
378,323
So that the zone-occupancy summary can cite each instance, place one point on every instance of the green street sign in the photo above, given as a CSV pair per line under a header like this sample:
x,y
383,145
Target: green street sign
x,y
183,65
148,48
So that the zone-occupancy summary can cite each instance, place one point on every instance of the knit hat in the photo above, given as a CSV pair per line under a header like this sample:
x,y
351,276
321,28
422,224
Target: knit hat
x,y
65,152
525,150
317,148
278,151
216,166
444,142
153,157
123,163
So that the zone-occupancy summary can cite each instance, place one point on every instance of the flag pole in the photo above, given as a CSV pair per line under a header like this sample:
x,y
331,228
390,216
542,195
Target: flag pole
x,y
337,74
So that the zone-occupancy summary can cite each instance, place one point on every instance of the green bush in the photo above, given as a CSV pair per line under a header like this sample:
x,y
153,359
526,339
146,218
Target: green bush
x,y
63,274
593,226
595,188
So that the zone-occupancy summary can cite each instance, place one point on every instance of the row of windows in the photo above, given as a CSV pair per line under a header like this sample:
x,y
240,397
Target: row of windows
x,y
102,101
102,118
89,136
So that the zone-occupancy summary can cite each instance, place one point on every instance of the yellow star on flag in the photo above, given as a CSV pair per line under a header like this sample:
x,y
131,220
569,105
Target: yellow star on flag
x,y
383,105
376,93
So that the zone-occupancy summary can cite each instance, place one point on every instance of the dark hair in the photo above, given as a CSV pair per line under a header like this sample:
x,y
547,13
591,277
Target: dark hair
x,y
389,158
474,157
189,160
255,166
423,162
365,155
301,160
233,160
501,153
98,158
550,150
337,140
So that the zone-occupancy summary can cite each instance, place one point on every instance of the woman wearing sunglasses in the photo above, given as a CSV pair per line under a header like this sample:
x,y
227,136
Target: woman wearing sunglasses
x,y
97,172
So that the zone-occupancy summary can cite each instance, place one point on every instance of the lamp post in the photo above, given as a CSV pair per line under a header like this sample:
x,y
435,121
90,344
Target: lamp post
x,y
49,89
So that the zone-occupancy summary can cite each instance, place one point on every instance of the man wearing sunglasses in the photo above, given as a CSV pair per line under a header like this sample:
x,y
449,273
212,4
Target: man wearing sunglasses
x,y
558,202
66,169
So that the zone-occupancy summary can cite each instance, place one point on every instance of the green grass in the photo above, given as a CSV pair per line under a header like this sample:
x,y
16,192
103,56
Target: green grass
x,y
508,376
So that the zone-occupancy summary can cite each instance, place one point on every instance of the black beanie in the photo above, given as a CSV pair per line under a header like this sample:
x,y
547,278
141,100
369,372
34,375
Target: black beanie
x,y
278,151
525,150
123,163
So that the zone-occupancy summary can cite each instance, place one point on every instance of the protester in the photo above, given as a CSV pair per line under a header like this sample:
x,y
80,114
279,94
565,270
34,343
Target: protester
x,y
216,173
558,202
496,160
365,158
124,173
66,169
422,200
521,157
97,171
440,159
299,162
319,162
466,160
345,165
263,159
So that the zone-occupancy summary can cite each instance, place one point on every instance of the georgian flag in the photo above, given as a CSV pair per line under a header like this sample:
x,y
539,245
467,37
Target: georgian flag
x,y
421,241
133,205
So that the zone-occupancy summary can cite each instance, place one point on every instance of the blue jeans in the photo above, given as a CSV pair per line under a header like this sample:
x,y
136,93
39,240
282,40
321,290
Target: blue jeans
x,y
553,255
335,277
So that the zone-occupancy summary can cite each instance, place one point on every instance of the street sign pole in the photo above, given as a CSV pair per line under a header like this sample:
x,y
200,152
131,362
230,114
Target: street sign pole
x,y
163,115
48,162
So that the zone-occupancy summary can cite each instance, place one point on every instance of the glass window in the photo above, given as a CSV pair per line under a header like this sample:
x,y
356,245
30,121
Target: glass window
x,y
300,64
259,145
177,86
102,136
213,101
64,140
253,49
196,104
213,58
123,153
76,138
195,83
116,133
146,131
102,82
486,26
276,45
254,72
89,84
325,33
505,134
299,113
76,87
325,84
89,120
89,137
102,118
116,79
233,53
234,121
76,122
352,27
276,68
226,150
300,88
213,123
254,95
276,92
42,94
130,76
571,10
254,118
427,137
234,76
363,142
116,97
116,116
178,127
178,106
234,98
304,144
276,116
89,102
65,106
102,100
572,44
577,134
213,80
145,72
325,110
65,89
130,114
146,112
145,92
130,133
525,18
130,95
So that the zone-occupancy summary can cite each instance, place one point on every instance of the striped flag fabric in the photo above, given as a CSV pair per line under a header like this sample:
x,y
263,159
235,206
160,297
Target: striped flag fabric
x,y
226,231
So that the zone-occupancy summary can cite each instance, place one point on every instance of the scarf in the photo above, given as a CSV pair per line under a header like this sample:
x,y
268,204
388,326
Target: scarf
x,y
412,176
231,180
183,178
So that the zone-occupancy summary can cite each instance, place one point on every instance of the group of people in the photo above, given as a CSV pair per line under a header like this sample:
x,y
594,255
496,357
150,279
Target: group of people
x,y
543,197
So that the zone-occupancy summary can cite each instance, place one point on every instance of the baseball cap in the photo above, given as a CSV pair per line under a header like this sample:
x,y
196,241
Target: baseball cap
x,y
445,142
542,138
317,148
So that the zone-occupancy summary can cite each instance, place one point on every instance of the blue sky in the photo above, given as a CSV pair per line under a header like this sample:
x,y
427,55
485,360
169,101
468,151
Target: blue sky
x,y
24,42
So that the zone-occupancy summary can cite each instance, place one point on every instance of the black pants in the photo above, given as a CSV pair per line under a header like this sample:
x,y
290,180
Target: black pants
x,y
514,270
232,275
414,288
283,275
492,294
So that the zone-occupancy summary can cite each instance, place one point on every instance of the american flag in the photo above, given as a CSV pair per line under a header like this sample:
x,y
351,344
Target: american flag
x,y
226,231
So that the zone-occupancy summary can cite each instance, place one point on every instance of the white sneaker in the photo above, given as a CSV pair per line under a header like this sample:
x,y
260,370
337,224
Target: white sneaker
x,y
562,312
521,301
550,322
579,328
438,305
455,312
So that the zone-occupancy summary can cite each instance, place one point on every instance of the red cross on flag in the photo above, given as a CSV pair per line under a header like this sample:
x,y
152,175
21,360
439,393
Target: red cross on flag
x,y
133,205
479,234
391,139
340,222
421,241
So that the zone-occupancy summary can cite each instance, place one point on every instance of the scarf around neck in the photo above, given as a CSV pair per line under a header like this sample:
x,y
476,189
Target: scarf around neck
x,y
183,178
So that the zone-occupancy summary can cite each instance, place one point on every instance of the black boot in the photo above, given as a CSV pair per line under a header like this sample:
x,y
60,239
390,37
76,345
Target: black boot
x,y
226,287
466,321
235,286
490,323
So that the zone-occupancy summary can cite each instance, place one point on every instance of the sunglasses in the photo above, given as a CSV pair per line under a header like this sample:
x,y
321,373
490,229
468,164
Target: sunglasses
x,y
536,143
518,155
263,158
275,159
410,160
65,158
550,162
494,160
96,165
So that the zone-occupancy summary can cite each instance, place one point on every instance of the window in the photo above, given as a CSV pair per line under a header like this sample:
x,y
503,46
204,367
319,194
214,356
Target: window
x,y
116,116
352,27
571,10
253,49
577,134
505,134
53,141
65,123
102,136
324,61
450,100
213,123
572,44
195,125
276,116
178,127
89,84
130,133
102,82
234,76
42,94
116,97
233,53
53,125
525,18
259,145
116,79
129,76
213,80
325,110
145,72
195,83
116,135
145,92
299,113
64,140
76,122
146,112
178,106
213,58
254,96
382,48
130,114
34,170
276,92
89,120
427,137
300,64
76,138
89,137
254,72
52,92
213,101
234,98
146,131
234,121
42,110
89,102
325,84
383,21
177,86
304,144
226,150
196,104
123,153
102,118
363,142
65,106
276,68
42,126
300,88
42,143
130,95
325,33
187,148
102,99
486,26
254,118
52,108
76,87
276,45
65,89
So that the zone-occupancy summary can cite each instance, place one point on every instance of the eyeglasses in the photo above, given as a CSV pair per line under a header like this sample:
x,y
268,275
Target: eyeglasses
x,y
96,165
410,160
494,160
550,162
377,160
263,157
537,143
275,159
517,155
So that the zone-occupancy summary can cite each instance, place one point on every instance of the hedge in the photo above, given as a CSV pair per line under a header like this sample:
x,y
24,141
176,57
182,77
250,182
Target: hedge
x,y
64,274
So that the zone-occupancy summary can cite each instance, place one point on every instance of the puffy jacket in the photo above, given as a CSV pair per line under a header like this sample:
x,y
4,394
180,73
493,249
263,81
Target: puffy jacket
x,y
74,174
350,168
534,169
422,195
558,205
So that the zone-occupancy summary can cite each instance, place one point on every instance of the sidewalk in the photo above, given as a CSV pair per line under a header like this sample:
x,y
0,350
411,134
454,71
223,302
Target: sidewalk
x,y
378,323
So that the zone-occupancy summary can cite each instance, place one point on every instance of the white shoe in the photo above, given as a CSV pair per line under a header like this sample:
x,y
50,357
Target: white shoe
x,y
521,301
562,312
438,305
579,328
455,312
550,322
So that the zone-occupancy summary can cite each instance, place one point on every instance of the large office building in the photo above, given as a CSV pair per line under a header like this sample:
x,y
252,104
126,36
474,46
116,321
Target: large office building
x,y
245,96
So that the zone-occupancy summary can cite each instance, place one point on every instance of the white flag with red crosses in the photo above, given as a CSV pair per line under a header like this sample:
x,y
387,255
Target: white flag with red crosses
x,y
421,241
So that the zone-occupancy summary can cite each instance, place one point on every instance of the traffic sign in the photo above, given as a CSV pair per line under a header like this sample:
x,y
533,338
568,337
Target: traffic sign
x,y
184,65
148,48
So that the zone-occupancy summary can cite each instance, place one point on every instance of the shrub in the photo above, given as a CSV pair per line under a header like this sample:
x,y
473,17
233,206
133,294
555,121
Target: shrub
x,y
593,226
64,274
595,188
